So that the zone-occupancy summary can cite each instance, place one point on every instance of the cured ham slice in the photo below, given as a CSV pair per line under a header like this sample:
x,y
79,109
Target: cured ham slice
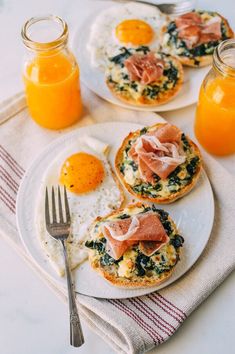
x,y
168,134
144,68
194,32
190,35
158,153
213,26
188,19
150,247
149,228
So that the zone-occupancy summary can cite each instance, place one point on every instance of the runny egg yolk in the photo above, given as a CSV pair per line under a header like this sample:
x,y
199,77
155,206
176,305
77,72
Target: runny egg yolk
x,y
136,32
82,173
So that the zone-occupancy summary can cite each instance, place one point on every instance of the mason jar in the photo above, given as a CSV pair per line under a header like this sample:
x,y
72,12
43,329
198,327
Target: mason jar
x,y
50,73
215,114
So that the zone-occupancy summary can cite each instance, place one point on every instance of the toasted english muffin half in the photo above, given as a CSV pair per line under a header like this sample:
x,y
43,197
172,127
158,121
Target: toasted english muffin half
x,y
134,269
133,92
197,56
175,186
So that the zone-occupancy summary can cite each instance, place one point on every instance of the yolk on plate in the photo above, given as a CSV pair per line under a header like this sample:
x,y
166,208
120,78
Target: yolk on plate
x,y
136,32
82,173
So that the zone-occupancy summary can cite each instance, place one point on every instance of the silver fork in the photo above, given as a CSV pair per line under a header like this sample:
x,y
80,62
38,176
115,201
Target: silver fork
x,y
175,9
60,230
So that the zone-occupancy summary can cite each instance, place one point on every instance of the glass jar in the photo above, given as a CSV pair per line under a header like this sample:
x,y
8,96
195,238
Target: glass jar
x,y
50,73
215,115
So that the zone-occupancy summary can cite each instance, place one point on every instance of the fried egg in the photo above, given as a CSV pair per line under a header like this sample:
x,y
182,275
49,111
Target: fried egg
x,y
131,25
92,189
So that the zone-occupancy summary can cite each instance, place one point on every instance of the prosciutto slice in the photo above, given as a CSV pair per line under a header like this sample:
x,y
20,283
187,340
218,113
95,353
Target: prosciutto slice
x,y
158,153
194,32
144,68
139,228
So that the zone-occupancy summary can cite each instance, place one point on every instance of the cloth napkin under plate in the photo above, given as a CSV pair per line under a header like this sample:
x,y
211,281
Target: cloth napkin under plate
x,y
131,325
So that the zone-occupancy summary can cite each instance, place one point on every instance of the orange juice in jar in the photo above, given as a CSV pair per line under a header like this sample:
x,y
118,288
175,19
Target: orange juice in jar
x,y
51,74
215,115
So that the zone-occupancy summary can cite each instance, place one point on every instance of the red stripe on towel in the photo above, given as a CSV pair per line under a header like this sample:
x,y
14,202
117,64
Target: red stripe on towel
x,y
13,161
155,316
120,305
6,203
7,161
8,181
7,199
167,309
149,316
8,176
171,304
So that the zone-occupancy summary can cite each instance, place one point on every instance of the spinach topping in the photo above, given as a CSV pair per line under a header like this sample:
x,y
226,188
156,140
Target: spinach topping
x,y
134,86
162,269
163,215
186,145
177,241
200,50
151,91
128,146
147,188
98,245
143,263
122,168
192,166
111,80
172,74
125,76
143,49
124,216
133,165
106,259
120,58
143,130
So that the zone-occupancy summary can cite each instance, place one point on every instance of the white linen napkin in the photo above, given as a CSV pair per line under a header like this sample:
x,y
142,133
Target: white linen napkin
x,y
131,325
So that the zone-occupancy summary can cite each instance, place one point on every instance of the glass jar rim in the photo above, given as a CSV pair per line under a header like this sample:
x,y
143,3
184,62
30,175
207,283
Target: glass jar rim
x,y
219,61
42,46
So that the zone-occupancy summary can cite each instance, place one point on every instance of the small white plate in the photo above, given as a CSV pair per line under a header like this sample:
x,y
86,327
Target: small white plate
x,y
94,79
193,214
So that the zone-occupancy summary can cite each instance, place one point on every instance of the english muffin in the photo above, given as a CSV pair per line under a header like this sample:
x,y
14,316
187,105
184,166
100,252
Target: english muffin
x,y
136,261
158,163
192,37
143,77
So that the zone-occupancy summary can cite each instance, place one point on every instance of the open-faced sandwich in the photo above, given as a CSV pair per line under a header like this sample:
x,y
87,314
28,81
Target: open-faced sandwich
x,y
158,163
192,37
137,246
144,77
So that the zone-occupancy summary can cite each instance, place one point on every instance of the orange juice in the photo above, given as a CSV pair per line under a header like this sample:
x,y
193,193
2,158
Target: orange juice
x,y
52,90
215,117
51,74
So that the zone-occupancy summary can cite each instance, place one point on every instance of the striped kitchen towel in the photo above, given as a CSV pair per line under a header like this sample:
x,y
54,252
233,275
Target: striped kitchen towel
x,y
130,325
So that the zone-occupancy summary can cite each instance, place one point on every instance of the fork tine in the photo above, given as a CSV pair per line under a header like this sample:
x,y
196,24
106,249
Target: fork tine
x,y
61,220
53,206
47,214
66,206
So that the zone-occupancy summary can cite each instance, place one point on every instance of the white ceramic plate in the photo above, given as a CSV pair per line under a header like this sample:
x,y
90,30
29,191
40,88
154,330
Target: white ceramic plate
x,y
93,78
193,214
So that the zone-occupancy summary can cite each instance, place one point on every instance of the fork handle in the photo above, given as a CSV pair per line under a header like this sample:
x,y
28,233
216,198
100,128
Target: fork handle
x,y
76,335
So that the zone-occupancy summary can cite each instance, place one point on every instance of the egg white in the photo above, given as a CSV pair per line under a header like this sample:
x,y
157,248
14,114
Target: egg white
x,y
103,42
84,208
